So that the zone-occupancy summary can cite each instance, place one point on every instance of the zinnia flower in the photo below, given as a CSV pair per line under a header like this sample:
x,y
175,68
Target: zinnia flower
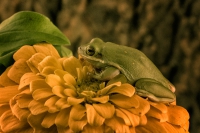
x,y
42,92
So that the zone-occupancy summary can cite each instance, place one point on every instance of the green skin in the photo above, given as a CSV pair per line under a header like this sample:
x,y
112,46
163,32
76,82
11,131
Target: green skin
x,y
112,59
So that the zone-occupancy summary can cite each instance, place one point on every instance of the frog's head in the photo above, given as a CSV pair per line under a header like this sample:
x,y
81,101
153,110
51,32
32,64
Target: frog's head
x,y
92,52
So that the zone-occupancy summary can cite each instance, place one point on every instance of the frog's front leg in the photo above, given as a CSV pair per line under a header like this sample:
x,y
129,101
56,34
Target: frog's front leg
x,y
106,74
154,90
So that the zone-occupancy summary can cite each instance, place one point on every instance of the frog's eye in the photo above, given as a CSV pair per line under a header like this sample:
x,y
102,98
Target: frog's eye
x,y
90,51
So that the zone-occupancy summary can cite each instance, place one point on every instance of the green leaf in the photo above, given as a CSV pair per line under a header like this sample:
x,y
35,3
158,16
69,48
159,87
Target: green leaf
x,y
63,51
27,28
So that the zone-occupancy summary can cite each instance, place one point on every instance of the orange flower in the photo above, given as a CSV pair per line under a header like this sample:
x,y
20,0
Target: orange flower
x,y
43,92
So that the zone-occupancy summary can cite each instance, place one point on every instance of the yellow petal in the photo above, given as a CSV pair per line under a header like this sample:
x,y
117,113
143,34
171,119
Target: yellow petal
x,y
42,93
5,80
59,91
6,93
25,52
49,61
36,120
102,99
54,80
106,110
51,104
125,101
160,106
69,79
70,64
70,92
23,100
10,123
37,108
27,79
122,115
3,108
143,107
62,118
75,101
105,90
47,49
49,120
154,112
93,118
124,89
117,124
48,70
77,126
93,129
134,119
37,84
21,114
34,61
62,103
177,115
77,112
18,69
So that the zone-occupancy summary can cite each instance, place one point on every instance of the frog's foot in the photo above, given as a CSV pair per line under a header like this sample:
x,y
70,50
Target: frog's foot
x,y
154,90
106,74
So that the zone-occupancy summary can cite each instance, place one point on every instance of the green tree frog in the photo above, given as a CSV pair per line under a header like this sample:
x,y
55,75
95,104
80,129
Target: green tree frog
x,y
110,60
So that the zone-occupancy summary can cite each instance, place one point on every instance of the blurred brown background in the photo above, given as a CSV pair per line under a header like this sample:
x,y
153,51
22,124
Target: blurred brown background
x,y
167,31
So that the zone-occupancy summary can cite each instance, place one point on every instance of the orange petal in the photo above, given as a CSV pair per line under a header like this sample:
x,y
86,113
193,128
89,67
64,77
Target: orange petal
x,y
18,69
122,115
6,93
42,93
3,108
143,107
124,101
105,90
102,99
27,78
117,124
77,112
177,115
93,129
75,101
37,108
160,106
62,118
49,120
62,103
25,52
59,91
36,120
77,126
54,80
70,64
93,118
69,79
170,128
106,110
70,92
5,80
51,104
48,70
23,100
124,89
37,84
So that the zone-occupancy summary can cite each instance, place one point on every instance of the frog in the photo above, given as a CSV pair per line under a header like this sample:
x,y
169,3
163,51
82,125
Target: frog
x,y
110,60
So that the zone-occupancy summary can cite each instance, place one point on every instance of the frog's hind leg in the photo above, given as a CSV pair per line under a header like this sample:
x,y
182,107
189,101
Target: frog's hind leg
x,y
154,90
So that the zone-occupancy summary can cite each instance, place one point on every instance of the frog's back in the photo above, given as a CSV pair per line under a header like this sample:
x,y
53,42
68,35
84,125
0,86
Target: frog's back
x,y
133,63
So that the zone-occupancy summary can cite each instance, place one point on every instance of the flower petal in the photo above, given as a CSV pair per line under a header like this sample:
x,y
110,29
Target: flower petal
x,y
70,64
62,103
77,112
69,79
27,78
51,104
62,118
70,92
54,80
75,101
94,129
49,61
160,106
37,108
119,78
125,101
77,126
102,99
37,84
106,110
18,69
105,90
124,89
6,93
5,80
49,120
143,107
48,70
25,52
59,91
93,118
42,93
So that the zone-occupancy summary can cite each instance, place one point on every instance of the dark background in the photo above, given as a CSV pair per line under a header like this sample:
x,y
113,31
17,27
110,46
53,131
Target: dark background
x,y
167,31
